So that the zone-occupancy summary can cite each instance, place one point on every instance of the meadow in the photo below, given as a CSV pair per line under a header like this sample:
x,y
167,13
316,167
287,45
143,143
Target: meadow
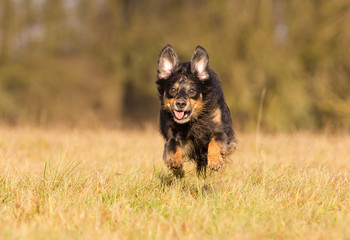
x,y
58,183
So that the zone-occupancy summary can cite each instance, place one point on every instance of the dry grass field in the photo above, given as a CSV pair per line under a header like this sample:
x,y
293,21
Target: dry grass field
x,y
112,184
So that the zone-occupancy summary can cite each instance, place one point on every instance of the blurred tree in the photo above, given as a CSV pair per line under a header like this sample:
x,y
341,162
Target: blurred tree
x,y
54,18
6,18
69,61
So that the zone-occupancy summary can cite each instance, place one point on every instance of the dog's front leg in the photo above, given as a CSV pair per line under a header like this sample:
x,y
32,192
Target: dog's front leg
x,y
173,156
217,149
215,159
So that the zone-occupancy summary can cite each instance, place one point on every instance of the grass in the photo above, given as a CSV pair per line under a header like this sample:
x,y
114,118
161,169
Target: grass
x,y
104,184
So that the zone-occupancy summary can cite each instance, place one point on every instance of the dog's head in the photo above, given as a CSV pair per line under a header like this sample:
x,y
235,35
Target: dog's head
x,y
180,84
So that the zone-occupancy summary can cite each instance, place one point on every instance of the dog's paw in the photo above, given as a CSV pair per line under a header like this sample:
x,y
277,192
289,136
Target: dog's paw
x,y
215,161
174,162
179,172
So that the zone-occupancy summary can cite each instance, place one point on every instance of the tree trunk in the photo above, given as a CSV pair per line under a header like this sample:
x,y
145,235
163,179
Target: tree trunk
x,y
5,29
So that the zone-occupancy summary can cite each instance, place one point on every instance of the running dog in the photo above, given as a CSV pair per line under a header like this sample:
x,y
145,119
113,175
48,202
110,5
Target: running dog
x,y
194,118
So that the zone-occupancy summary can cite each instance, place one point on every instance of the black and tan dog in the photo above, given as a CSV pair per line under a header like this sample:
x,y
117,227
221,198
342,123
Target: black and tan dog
x,y
194,118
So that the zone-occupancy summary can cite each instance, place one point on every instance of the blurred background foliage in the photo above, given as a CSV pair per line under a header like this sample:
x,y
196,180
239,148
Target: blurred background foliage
x,y
86,62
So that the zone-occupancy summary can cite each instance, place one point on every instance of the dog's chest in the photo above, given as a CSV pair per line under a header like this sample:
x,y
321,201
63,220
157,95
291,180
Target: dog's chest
x,y
187,149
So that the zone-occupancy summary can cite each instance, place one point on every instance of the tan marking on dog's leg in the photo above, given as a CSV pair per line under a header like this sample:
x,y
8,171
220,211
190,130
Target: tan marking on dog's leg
x,y
217,116
215,160
175,162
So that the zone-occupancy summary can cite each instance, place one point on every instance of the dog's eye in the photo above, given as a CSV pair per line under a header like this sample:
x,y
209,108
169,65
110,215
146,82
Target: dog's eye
x,y
172,91
192,91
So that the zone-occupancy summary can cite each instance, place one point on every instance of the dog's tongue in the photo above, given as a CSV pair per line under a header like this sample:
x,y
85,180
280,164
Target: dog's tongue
x,y
179,115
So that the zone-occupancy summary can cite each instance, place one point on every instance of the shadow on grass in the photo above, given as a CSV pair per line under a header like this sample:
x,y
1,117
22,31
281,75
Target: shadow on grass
x,y
195,186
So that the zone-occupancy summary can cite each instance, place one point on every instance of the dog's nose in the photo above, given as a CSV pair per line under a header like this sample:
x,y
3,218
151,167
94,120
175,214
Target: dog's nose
x,y
181,103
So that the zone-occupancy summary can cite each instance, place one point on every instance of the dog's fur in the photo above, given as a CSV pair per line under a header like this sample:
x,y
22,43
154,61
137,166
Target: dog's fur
x,y
194,117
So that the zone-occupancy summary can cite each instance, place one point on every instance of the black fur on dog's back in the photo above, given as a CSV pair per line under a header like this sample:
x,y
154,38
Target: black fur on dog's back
x,y
210,121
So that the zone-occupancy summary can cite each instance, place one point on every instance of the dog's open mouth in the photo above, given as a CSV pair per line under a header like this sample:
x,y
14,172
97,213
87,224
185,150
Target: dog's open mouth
x,y
181,115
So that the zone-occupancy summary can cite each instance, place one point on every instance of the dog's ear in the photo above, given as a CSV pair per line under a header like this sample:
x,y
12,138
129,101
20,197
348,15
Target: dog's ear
x,y
199,63
167,62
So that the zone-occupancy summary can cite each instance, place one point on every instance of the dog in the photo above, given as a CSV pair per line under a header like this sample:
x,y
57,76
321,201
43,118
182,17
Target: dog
x,y
194,118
